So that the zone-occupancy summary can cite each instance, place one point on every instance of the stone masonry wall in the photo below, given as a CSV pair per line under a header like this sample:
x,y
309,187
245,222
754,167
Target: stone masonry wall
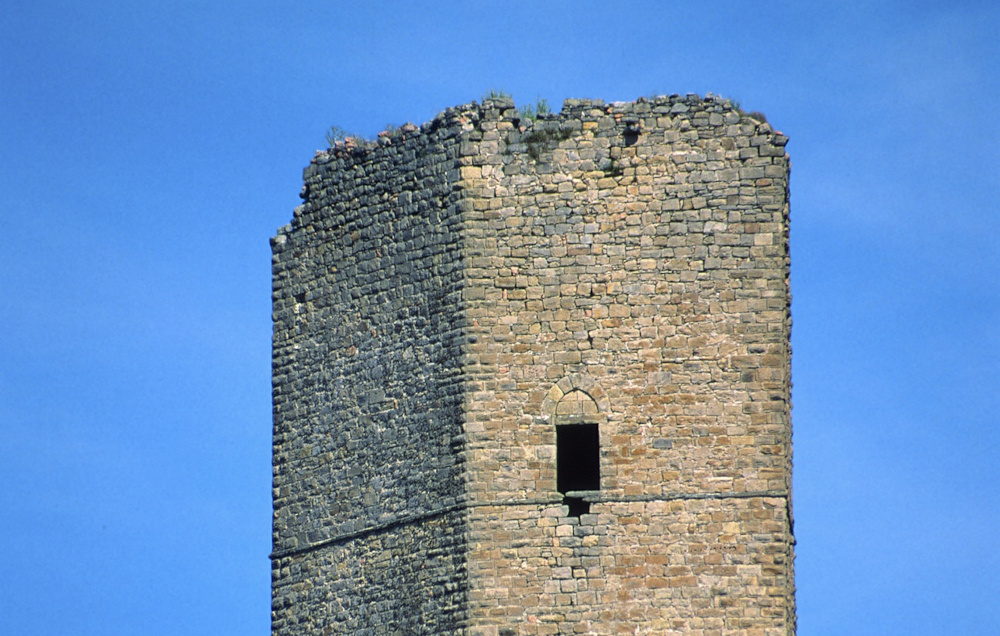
x,y
637,253
444,296
368,392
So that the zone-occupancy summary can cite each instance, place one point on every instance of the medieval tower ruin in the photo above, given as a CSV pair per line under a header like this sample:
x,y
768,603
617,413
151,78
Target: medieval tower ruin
x,y
533,377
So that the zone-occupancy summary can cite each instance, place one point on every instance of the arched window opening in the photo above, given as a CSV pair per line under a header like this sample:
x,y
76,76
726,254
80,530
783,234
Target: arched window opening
x,y
578,450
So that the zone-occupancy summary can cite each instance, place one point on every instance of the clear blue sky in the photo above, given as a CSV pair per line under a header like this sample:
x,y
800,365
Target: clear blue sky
x,y
148,150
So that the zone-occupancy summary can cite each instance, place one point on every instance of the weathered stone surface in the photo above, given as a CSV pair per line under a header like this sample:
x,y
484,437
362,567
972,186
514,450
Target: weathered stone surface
x,y
446,297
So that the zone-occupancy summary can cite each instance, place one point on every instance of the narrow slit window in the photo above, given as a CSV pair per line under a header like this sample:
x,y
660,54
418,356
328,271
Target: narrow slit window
x,y
578,457
578,450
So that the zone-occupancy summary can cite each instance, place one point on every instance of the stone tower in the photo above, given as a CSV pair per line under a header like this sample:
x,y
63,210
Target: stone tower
x,y
533,377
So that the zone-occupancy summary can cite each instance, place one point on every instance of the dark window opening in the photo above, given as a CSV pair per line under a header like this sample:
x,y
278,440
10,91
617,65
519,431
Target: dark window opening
x,y
577,506
578,463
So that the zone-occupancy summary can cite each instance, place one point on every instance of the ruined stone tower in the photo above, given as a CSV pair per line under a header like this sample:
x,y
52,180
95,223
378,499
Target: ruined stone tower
x,y
532,377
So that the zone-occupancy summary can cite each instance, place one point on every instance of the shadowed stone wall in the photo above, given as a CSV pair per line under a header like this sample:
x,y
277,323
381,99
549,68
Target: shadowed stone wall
x,y
368,394
437,297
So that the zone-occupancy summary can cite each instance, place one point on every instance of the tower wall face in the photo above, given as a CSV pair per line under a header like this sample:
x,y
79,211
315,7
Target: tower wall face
x,y
447,297
639,254
368,535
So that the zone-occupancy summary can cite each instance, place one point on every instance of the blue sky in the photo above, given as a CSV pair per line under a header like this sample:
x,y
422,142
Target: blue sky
x,y
149,150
